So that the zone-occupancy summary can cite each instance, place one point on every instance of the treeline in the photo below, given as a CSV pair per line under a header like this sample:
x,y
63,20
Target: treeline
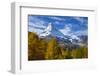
x,y
41,49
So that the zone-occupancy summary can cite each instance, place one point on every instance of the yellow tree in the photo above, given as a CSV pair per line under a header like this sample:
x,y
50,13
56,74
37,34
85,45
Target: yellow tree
x,y
33,41
85,52
53,50
81,52
63,53
50,49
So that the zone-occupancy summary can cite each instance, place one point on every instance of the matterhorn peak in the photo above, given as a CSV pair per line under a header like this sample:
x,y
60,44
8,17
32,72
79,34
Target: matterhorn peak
x,y
49,27
47,31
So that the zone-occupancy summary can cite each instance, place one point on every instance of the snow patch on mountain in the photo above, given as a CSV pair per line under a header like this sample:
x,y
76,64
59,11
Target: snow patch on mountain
x,y
66,30
47,31
51,30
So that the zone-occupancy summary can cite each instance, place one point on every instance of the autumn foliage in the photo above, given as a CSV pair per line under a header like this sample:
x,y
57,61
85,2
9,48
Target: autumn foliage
x,y
41,49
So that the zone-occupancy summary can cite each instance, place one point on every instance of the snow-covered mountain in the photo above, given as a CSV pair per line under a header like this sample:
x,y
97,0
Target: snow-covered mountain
x,y
51,30
64,33
67,32
47,31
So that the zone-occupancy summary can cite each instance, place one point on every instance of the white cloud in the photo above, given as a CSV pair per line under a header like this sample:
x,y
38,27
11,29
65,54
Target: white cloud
x,y
79,19
36,24
57,18
57,22
83,32
34,21
37,31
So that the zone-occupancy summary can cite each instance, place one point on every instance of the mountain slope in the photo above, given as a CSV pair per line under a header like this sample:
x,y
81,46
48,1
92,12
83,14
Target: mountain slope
x,y
51,30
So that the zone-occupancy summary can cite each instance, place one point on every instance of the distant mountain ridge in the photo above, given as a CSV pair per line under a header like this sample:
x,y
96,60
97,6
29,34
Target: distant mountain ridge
x,y
62,35
51,30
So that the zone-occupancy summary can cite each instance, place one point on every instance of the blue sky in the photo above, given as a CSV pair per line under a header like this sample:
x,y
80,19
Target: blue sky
x,y
71,24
